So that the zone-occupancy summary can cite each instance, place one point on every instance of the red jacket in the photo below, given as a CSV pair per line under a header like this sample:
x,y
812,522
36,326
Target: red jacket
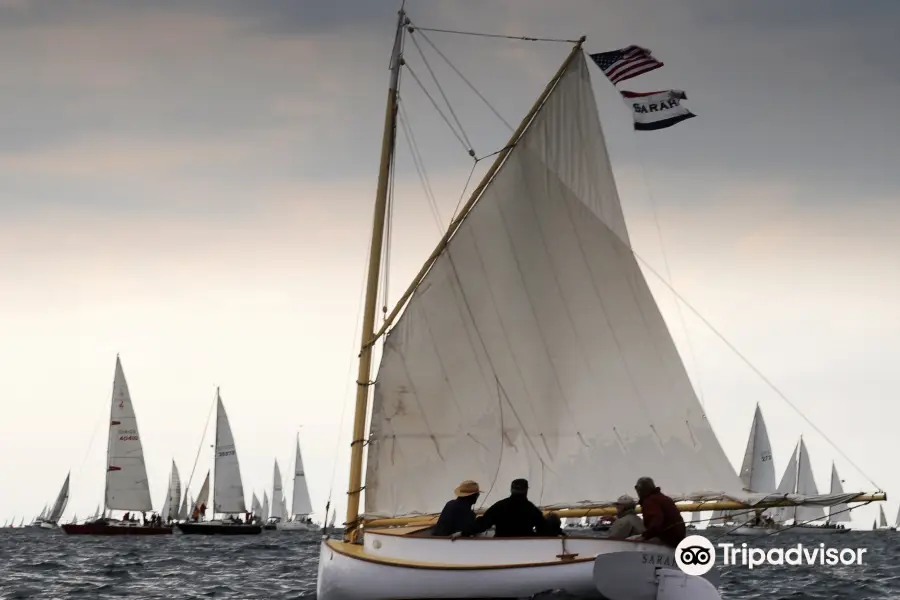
x,y
662,519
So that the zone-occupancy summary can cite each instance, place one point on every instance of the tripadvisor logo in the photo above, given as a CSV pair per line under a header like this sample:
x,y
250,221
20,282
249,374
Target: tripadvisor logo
x,y
696,555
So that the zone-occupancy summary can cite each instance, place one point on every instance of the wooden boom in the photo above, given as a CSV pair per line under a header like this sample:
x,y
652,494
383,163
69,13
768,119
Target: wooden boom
x,y
603,511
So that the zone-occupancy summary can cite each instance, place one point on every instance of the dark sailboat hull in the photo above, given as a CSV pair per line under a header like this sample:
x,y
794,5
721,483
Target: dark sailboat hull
x,y
107,529
206,528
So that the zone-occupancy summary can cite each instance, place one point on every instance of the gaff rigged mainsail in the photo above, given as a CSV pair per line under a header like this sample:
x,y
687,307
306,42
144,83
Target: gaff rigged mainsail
x,y
534,348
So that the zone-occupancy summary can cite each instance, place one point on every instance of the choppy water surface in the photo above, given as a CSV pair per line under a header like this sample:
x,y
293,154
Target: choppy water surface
x,y
282,566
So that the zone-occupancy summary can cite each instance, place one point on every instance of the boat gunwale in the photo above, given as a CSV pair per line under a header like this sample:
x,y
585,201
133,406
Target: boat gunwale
x,y
411,531
358,551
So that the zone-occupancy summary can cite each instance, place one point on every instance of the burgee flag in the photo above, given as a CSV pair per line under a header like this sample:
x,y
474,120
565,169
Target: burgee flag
x,y
657,110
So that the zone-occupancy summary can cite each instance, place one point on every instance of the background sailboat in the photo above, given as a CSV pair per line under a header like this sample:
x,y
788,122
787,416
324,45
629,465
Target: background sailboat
x,y
278,512
882,524
798,478
757,476
228,487
49,519
172,502
301,504
127,488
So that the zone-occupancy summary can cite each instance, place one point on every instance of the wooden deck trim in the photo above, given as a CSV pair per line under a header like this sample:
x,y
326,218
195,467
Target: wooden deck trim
x,y
358,552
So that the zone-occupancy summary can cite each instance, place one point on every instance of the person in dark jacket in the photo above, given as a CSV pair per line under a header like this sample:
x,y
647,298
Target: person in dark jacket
x,y
662,519
514,516
457,515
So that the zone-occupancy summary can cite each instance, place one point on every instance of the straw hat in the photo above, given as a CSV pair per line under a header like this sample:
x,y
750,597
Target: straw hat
x,y
467,488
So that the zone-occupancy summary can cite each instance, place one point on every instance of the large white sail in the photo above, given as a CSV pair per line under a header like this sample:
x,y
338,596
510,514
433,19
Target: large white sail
x,y
277,493
228,488
265,505
839,513
59,507
301,505
534,348
126,475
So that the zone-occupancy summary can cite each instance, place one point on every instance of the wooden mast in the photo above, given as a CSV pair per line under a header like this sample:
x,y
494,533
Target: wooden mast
x,y
369,335
368,326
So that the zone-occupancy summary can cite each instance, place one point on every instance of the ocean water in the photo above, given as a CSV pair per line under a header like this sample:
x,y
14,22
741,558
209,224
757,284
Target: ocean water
x,y
37,564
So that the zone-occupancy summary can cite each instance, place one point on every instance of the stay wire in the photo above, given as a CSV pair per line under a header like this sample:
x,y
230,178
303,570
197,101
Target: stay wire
x,y
753,367
521,38
662,244
463,77
437,84
439,110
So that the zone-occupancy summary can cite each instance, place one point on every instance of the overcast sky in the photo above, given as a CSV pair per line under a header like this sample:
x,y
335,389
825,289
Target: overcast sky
x,y
192,188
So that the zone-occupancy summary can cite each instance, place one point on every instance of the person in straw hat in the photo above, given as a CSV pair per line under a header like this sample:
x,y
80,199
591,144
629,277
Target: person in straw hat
x,y
515,516
457,516
627,522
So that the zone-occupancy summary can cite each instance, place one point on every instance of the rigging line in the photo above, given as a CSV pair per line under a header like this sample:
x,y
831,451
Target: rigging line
x,y
200,449
438,109
94,433
349,378
662,244
462,194
444,96
419,163
463,77
522,38
759,373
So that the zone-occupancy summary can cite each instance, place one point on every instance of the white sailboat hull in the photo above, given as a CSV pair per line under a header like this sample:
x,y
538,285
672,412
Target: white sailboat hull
x,y
807,530
388,567
754,531
296,526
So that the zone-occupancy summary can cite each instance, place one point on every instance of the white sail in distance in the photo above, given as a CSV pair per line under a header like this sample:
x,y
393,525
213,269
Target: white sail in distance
x,y
882,521
127,487
788,485
265,505
301,505
228,487
59,506
173,495
203,496
757,469
839,513
277,492
255,507
533,346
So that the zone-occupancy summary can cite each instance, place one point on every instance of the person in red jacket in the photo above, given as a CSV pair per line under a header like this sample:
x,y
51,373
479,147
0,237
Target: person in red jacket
x,y
662,519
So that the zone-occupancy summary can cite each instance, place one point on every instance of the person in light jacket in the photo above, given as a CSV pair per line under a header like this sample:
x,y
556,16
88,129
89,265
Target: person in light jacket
x,y
627,522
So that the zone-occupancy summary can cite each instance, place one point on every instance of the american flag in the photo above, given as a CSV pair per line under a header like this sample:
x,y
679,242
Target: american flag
x,y
626,63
